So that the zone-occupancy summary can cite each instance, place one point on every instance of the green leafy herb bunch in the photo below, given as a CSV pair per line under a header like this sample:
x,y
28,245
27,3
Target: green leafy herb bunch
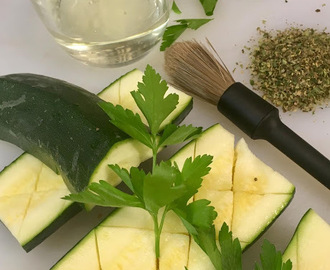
x,y
167,187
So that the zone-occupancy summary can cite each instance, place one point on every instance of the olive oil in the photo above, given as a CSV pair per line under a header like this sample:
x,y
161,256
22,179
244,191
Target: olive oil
x,y
105,32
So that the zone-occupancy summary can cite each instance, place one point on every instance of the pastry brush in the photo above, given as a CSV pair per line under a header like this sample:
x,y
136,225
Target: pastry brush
x,y
198,70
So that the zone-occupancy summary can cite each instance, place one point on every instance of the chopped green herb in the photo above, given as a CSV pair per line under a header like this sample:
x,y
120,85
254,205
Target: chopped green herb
x,y
292,67
173,32
194,23
175,8
209,6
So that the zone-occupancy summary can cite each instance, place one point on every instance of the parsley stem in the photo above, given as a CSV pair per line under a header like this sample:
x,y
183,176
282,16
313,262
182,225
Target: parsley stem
x,y
154,160
161,225
157,228
154,151
157,235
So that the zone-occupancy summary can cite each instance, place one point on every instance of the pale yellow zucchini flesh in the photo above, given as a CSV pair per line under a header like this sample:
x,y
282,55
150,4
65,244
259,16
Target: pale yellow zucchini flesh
x,y
125,239
309,247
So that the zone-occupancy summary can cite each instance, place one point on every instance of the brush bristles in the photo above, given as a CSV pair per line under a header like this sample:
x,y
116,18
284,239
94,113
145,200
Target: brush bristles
x,y
194,68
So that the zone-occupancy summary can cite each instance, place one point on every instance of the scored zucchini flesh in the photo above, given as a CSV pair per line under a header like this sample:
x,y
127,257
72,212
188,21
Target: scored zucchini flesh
x,y
125,240
30,204
30,192
126,233
310,245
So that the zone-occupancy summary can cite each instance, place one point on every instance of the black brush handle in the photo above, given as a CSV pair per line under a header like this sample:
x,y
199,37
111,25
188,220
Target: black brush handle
x,y
260,120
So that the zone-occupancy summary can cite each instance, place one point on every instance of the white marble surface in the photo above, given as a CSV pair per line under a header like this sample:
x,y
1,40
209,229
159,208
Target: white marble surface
x,y
26,46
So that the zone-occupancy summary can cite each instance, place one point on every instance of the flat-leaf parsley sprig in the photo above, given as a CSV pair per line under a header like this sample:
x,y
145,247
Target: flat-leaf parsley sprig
x,y
166,187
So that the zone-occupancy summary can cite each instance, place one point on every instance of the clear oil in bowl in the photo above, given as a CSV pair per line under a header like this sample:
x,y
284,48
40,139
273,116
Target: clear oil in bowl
x,y
105,32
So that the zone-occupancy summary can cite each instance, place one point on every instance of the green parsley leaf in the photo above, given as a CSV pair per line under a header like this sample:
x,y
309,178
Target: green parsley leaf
x,y
104,194
209,6
272,259
194,23
198,218
201,214
151,99
192,173
137,179
231,251
173,32
174,134
203,234
206,240
128,122
175,8
162,187
123,175
134,179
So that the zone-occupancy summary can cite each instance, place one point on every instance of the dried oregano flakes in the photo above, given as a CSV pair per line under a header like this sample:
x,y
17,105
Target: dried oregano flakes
x,y
292,67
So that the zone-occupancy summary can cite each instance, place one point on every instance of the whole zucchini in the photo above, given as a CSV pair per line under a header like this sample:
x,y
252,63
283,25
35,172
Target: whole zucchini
x,y
59,123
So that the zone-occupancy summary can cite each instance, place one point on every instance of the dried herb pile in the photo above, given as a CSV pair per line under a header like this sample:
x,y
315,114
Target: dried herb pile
x,y
292,68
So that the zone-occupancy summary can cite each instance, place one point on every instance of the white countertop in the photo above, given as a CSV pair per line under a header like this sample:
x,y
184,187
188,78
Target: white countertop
x,y
26,46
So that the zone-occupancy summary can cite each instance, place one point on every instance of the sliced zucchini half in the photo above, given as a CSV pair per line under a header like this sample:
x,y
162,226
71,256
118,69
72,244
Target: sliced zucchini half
x,y
30,192
129,226
62,124
310,245
125,240
30,201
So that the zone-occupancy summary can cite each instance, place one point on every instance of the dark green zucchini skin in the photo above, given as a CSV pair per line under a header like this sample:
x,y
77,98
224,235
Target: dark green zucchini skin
x,y
59,123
